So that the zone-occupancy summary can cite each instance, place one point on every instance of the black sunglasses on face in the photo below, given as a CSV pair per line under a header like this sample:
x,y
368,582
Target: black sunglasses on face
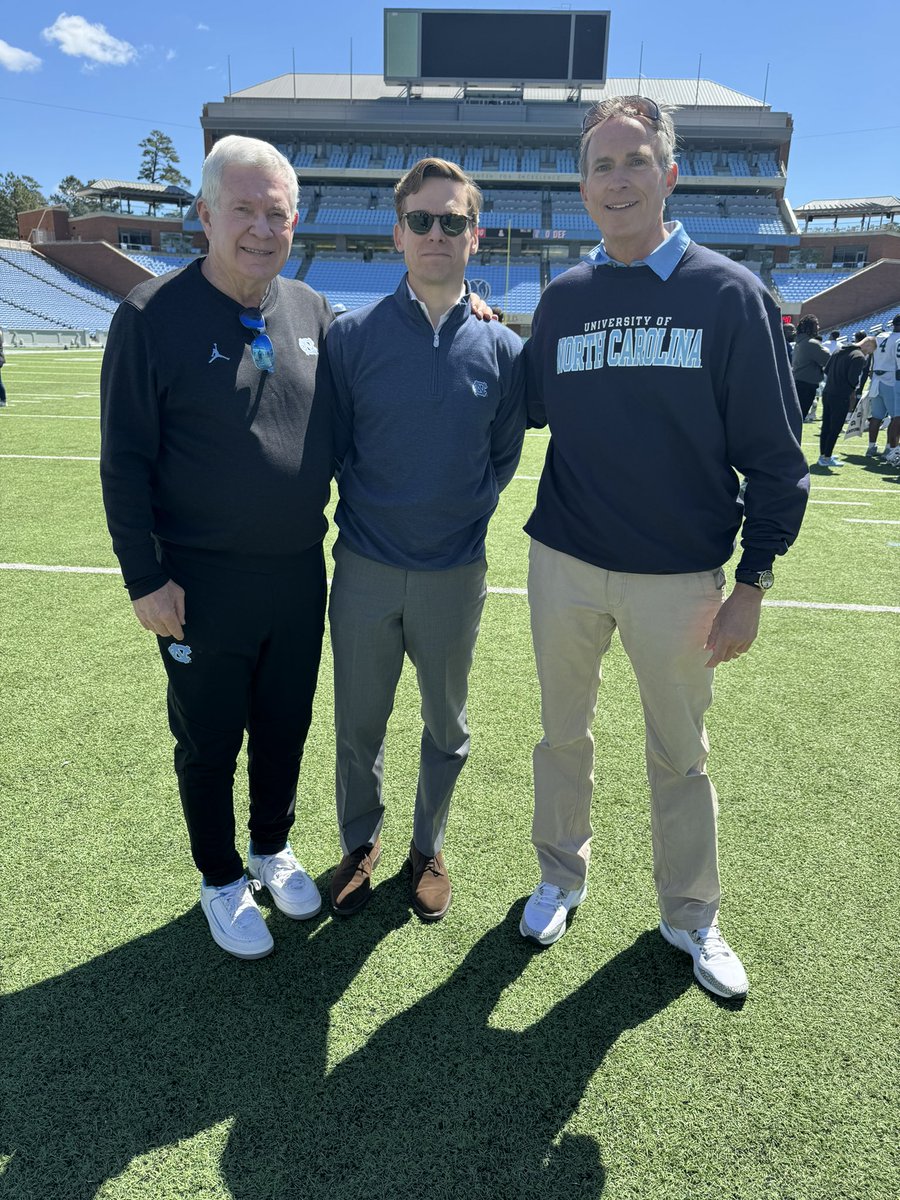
x,y
640,104
453,224
261,348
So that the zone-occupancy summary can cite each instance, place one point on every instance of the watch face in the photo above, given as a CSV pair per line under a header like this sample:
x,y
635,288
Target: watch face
x,y
766,579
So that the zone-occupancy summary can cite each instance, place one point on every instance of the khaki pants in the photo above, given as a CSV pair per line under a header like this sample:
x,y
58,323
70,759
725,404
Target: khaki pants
x,y
663,621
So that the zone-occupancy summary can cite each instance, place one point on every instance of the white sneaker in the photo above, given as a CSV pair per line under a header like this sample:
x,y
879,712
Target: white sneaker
x,y
289,885
544,918
716,965
892,456
235,922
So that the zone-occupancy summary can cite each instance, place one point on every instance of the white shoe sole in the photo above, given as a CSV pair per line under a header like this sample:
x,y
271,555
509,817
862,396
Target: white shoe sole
x,y
549,939
704,978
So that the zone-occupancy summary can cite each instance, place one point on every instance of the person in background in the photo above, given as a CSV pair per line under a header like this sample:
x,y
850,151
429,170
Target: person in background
x,y
790,336
808,363
832,343
844,378
2,365
884,394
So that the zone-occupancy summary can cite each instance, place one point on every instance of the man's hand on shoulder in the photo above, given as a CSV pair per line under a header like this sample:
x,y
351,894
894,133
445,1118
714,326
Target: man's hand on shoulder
x,y
736,625
481,309
162,612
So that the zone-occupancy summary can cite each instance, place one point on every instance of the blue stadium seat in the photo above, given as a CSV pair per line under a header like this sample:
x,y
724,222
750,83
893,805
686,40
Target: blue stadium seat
x,y
47,296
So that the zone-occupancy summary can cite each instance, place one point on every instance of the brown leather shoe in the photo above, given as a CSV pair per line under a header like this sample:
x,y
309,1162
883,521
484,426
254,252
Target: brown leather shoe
x,y
430,891
351,883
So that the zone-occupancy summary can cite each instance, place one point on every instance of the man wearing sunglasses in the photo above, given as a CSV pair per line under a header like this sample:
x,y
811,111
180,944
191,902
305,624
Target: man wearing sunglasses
x,y
656,333
430,418
216,462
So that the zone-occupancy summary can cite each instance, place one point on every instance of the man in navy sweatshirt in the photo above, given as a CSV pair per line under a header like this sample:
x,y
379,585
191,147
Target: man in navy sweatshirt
x,y
429,421
657,331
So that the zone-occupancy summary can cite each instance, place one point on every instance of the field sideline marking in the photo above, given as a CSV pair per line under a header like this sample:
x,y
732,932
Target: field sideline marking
x,y
766,603
54,416
497,591
868,521
54,457
60,570
880,491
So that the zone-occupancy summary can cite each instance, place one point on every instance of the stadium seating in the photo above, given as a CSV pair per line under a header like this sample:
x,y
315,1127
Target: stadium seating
x,y
352,282
874,323
490,281
717,214
797,286
42,292
159,264
518,218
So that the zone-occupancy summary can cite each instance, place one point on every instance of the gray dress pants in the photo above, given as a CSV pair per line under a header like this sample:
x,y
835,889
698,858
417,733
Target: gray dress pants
x,y
377,614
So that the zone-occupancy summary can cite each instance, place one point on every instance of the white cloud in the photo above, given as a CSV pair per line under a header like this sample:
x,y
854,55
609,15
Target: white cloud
x,y
201,28
170,54
81,39
15,59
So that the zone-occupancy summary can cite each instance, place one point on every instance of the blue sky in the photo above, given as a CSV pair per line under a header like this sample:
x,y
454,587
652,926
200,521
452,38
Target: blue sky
x,y
80,89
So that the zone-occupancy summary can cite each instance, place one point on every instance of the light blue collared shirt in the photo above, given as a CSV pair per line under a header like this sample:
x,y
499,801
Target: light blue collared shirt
x,y
662,261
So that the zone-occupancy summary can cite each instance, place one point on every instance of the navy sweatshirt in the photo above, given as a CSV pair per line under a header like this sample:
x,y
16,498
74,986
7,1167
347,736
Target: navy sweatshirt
x,y
656,392
428,430
199,448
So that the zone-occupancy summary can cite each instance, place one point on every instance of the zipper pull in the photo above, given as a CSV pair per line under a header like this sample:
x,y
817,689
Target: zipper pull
x,y
437,341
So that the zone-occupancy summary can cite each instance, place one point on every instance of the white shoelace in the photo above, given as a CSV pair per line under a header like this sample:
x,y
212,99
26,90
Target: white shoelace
x,y
549,894
711,942
239,902
282,870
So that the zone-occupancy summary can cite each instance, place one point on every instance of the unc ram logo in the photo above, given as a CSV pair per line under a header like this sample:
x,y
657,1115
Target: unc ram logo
x,y
180,652
481,288
479,387
308,346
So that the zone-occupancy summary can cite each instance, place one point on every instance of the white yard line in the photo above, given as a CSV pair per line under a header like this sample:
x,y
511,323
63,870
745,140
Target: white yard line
x,y
60,570
497,591
872,608
845,503
868,521
819,487
54,457
53,416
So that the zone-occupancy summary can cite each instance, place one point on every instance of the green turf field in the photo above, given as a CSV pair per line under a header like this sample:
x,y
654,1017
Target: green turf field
x,y
383,1059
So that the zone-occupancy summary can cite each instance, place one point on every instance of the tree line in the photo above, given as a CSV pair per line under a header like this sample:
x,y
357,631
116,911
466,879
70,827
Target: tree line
x,y
18,193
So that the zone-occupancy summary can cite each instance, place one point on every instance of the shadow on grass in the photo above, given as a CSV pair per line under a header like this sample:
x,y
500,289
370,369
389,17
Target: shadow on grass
x,y
166,1036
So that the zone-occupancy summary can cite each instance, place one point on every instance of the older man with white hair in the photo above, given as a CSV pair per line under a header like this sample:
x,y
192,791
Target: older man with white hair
x,y
216,463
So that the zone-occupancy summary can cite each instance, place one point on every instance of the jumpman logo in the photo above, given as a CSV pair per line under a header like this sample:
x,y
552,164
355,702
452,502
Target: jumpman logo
x,y
215,354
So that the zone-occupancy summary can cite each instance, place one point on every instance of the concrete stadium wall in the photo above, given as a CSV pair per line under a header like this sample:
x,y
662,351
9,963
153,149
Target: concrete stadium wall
x,y
98,262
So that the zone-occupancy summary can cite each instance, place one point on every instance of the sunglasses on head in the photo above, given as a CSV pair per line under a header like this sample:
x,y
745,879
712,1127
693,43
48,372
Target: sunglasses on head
x,y
640,104
453,224
261,349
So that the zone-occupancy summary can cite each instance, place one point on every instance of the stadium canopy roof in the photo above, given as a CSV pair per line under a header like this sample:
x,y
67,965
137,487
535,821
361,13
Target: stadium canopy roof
x,y
681,93
874,206
148,193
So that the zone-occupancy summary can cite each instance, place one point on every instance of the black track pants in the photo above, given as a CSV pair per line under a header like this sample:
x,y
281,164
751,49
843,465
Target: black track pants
x,y
249,661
